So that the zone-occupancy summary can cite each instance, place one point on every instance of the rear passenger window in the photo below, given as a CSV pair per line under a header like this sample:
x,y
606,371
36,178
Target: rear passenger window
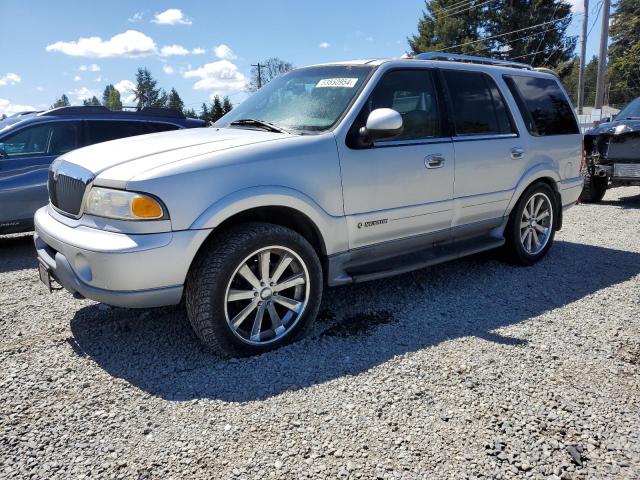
x,y
543,105
478,106
161,127
103,131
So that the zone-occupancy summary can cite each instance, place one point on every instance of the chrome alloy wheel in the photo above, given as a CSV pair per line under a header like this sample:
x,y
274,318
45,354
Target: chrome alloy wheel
x,y
536,224
267,294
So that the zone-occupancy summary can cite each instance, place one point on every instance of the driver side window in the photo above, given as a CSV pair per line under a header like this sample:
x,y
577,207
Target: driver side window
x,y
412,94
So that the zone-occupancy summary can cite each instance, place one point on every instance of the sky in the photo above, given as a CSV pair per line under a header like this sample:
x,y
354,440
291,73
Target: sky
x,y
201,48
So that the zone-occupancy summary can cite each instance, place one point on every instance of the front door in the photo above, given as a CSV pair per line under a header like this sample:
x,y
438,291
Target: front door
x,y
402,187
24,167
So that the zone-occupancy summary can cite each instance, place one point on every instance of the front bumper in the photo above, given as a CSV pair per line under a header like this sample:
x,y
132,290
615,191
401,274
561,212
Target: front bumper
x,y
136,271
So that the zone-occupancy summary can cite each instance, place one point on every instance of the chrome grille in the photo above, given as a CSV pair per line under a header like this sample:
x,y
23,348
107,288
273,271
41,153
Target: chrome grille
x,y
626,170
67,184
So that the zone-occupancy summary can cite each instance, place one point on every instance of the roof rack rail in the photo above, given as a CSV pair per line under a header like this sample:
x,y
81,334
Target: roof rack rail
x,y
76,110
454,57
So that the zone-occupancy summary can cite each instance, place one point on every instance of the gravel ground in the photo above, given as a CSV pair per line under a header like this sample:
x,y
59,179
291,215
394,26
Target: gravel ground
x,y
473,369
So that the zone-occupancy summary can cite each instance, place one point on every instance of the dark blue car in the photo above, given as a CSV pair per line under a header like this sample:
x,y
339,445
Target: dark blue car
x,y
29,142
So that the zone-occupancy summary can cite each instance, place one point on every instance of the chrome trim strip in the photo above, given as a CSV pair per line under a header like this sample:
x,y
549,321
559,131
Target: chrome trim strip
x,y
419,141
470,138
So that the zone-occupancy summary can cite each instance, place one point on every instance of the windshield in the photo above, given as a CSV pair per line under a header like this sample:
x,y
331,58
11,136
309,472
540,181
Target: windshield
x,y
630,111
310,98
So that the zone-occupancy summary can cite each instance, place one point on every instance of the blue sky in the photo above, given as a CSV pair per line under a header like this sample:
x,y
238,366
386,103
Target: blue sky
x,y
200,48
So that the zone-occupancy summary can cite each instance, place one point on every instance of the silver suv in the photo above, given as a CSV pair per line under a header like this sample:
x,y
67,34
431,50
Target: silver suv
x,y
328,175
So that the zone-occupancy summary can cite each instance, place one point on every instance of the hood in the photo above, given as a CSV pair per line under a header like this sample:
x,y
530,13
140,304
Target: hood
x,y
617,127
157,149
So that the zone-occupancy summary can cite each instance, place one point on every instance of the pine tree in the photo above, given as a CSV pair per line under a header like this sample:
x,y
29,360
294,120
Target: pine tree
x,y
190,113
217,110
146,93
174,101
226,105
568,73
91,102
204,113
63,101
111,98
624,53
547,45
450,25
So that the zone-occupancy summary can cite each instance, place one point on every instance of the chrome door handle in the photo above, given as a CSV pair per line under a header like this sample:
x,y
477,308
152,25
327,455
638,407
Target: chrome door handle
x,y
434,161
517,153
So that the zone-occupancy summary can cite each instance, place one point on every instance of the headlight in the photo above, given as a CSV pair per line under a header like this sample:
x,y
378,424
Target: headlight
x,y
122,205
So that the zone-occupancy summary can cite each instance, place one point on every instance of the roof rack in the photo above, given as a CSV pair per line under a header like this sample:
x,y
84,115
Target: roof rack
x,y
100,109
454,57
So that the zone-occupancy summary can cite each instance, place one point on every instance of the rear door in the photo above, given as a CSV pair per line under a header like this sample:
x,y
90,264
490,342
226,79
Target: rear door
x,y
490,155
402,187
23,174
99,131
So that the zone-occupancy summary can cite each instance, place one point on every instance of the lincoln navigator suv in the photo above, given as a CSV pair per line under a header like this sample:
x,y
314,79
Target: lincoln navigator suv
x,y
328,175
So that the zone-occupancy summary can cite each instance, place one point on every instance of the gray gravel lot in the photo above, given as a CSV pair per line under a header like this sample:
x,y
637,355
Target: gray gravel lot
x,y
473,369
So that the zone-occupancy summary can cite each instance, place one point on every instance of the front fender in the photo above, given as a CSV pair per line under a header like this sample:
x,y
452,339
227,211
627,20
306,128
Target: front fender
x,y
332,229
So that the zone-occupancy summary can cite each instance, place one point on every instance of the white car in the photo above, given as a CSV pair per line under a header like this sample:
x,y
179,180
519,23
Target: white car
x,y
328,175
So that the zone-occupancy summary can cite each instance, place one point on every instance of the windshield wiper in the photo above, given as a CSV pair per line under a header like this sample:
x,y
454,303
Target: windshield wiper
x,y
252,122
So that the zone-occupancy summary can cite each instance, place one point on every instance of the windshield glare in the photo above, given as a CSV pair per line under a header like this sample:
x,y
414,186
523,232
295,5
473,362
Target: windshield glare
x,y
311,99
630,111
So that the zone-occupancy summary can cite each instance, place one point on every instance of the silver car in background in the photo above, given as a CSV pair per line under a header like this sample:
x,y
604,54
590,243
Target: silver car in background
x,y
328,175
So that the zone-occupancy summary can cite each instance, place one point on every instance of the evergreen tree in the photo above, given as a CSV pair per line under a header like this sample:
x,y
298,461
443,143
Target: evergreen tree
x,y
217,111
190,113
4,115
63,101
624,53
174,101
226,105
146,93
544,46
204,113
569,72
111,98
91,102
447,23
269,69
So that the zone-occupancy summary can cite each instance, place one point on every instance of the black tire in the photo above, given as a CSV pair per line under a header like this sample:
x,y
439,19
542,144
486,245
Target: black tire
x,y
594,189
514,248
212,271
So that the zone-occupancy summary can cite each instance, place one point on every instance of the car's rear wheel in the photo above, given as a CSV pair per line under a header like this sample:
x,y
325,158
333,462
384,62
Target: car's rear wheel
x,y
594,189
532,224
256,287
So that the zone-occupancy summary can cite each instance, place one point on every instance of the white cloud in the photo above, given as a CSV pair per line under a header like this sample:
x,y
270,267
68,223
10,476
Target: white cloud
x,y
129,44
98,79
7,108
83,92
136,17
223,52
40,89
221,76
577,6
168,69
324,45
126,87
172,16
198,51
89,68
168,50
10,79
77,78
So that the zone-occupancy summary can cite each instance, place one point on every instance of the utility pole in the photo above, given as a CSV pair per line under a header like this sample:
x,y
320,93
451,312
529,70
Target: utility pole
x,y
583,54
259,67
602,61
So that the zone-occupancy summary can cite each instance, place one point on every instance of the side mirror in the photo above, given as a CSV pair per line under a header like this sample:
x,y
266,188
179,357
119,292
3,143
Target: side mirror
x,y
382,123
3,152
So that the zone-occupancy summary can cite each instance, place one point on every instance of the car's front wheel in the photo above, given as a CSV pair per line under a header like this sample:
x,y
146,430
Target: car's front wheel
x,y
257,286
532,225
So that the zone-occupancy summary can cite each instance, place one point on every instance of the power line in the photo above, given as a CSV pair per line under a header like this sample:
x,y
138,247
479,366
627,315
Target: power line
x,y
464,9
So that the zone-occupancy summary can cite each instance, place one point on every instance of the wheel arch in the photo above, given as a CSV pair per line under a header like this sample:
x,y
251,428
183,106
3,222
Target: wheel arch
x,y
539,174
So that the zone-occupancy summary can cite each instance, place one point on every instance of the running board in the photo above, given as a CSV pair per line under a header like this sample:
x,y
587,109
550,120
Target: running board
x,y
421,259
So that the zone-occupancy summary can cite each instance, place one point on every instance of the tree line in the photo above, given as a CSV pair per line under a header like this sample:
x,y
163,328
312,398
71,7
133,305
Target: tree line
x,y
534,32
148,94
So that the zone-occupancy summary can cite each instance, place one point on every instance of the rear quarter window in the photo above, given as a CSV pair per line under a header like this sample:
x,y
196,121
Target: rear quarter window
x,y
543,105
